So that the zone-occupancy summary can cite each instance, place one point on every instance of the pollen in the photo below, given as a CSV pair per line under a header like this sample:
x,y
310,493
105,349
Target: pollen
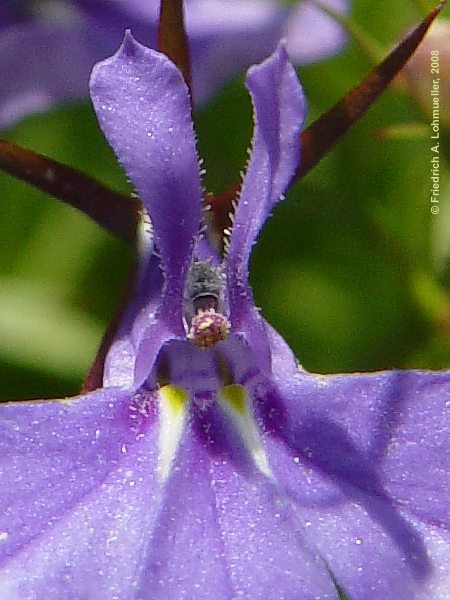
x,y
208,327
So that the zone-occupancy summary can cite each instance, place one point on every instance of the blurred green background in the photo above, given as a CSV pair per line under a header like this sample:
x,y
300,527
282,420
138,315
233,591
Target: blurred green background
x,y
353,269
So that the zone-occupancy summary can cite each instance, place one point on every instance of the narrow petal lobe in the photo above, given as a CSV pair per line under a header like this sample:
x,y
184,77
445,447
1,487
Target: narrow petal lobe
x,y
279,113
143,107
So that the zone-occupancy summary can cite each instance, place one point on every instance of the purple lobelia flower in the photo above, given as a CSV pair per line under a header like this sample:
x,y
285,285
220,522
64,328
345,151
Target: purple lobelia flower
x,y
210,465
46,55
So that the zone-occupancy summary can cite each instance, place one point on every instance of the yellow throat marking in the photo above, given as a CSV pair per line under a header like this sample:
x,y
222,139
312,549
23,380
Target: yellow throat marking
x,y
234,401
173,407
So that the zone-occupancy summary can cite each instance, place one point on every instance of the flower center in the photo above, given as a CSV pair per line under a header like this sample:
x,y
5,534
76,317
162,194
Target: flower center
x,y
203,298
208,327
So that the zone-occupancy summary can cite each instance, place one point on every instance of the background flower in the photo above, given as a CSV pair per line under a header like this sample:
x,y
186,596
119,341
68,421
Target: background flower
x,y
47,49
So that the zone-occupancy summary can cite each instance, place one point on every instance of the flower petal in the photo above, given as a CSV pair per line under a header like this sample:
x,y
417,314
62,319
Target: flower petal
x,y
151,341
280,110
227,36
8,13
120,362
184,557
365,453
129,360
416,452
143,107
79,495
264,549
221,533
312,34
51,65
279,107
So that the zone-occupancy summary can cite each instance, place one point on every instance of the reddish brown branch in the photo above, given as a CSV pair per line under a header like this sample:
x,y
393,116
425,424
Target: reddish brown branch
x,y
172,37
116,212
322,135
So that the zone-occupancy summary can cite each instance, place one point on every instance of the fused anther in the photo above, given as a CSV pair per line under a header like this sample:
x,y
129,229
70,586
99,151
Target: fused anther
x,y
208,327
202,305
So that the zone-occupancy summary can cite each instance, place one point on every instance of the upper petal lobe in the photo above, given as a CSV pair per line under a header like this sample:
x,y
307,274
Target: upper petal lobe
x,y
279,113
143,107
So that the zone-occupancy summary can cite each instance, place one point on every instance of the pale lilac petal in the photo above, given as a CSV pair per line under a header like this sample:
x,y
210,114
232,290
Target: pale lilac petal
x,y
47,63
120,364
227,36
437,541
361,532
151,340
279,114
264,549
143,107
369,545
312,34
79,496
205,250
415,454
279,107
126,13
89,514
8,13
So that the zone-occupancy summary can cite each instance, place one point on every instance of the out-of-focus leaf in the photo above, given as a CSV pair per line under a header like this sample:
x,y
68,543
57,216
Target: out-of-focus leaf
x,y
29,337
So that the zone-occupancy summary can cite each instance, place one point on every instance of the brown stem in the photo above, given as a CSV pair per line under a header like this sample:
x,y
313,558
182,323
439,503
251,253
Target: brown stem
x,y
322,135
94,378
172,37
116,212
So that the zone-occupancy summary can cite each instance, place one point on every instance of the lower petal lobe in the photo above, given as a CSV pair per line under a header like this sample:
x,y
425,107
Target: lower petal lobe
x,y
364,459
78,495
